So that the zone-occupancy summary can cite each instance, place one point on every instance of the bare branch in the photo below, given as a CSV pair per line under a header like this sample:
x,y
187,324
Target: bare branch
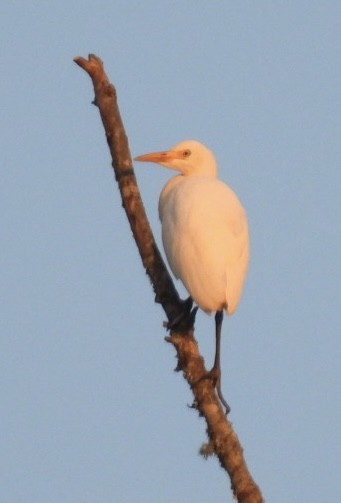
x,y
222,439
105,99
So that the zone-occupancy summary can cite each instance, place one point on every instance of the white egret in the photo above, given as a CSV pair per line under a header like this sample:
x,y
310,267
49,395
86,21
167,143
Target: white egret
x,y
204,233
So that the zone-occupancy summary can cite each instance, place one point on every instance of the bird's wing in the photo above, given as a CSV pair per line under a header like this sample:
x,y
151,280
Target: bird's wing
x,y
205,237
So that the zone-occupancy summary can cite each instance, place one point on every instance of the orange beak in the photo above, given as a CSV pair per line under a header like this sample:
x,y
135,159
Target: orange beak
x,y
159,157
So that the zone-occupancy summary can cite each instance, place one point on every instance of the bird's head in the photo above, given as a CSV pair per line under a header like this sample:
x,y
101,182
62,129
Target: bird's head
x,y
189,157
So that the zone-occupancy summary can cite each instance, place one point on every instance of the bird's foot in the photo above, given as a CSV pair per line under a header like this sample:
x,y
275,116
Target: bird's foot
x,y
214,375
185,318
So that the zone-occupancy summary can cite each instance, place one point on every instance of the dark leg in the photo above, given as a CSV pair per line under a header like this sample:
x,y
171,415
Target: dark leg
x,y
216,369
215,373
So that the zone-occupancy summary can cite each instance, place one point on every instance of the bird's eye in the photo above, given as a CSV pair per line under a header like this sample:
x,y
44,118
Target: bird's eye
x,y
186,153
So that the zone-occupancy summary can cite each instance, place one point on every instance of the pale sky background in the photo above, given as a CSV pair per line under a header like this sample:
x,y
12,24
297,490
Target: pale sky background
x,y
91,410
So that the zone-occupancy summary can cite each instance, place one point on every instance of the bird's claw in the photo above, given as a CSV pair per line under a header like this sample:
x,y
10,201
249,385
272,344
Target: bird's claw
x,y
214,376
184,319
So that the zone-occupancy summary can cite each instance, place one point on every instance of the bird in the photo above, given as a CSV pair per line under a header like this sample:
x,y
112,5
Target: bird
x,y
205,234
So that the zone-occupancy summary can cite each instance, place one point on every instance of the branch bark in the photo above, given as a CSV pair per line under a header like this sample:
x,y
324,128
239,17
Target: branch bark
x,y
223,441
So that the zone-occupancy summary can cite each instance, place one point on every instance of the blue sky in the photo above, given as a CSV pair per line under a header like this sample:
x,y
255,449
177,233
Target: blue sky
x,y
91,407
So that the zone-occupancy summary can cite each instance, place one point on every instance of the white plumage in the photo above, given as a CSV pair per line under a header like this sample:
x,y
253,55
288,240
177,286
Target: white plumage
x,y
204,228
